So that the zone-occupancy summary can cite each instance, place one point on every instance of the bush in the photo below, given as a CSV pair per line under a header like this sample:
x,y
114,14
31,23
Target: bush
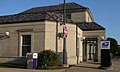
x,y
47,58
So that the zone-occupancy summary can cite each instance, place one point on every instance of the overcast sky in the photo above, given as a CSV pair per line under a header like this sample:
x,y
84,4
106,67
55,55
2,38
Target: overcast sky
x,y
105,12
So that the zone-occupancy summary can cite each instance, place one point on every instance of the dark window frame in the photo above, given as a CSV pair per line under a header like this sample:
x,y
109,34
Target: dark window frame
x,y
26,44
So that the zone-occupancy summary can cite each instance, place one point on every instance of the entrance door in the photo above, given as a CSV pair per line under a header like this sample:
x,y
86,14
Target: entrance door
x,y
90,49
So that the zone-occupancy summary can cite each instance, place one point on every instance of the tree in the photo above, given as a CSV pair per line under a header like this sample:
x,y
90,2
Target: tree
x,y
113,45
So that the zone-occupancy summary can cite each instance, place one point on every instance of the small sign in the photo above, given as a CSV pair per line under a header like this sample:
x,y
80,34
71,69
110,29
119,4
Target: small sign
x,y
105,44
35,55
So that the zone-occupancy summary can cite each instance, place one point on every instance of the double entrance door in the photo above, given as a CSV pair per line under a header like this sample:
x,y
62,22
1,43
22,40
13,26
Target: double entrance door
x,y
90,51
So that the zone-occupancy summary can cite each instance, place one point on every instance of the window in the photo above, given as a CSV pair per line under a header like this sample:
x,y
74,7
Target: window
x,y
68,15
26,44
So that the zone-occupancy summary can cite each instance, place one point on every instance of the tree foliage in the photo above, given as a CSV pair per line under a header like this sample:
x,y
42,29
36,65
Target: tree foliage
x,y
113,45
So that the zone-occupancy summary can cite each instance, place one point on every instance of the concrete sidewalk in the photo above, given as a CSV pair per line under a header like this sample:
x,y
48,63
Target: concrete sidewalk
x,y
82,67
28,70
88,67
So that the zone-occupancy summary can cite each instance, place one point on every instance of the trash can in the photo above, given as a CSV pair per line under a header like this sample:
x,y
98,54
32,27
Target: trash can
x,y
29,61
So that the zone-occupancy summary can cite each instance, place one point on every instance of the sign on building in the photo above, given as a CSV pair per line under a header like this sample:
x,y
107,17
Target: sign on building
x,y
105,44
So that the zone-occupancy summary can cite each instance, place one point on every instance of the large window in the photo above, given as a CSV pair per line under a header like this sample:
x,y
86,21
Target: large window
x,y
26,44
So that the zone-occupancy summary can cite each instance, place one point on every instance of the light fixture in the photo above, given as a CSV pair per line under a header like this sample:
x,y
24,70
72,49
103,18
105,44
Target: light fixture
x,y
7,33
82,38
102,37
60,35
4,35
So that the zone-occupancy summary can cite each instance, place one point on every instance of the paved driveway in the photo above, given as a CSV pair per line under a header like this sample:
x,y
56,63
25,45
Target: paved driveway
x,y
116,64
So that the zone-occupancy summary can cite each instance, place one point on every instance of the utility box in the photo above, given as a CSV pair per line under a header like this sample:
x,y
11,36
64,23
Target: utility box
x,y
29,57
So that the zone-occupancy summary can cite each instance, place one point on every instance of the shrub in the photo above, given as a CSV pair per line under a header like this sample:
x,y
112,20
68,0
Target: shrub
x,y
47,58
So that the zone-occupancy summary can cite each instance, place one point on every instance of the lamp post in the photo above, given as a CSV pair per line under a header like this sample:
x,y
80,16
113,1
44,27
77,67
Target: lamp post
x,y
64,39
